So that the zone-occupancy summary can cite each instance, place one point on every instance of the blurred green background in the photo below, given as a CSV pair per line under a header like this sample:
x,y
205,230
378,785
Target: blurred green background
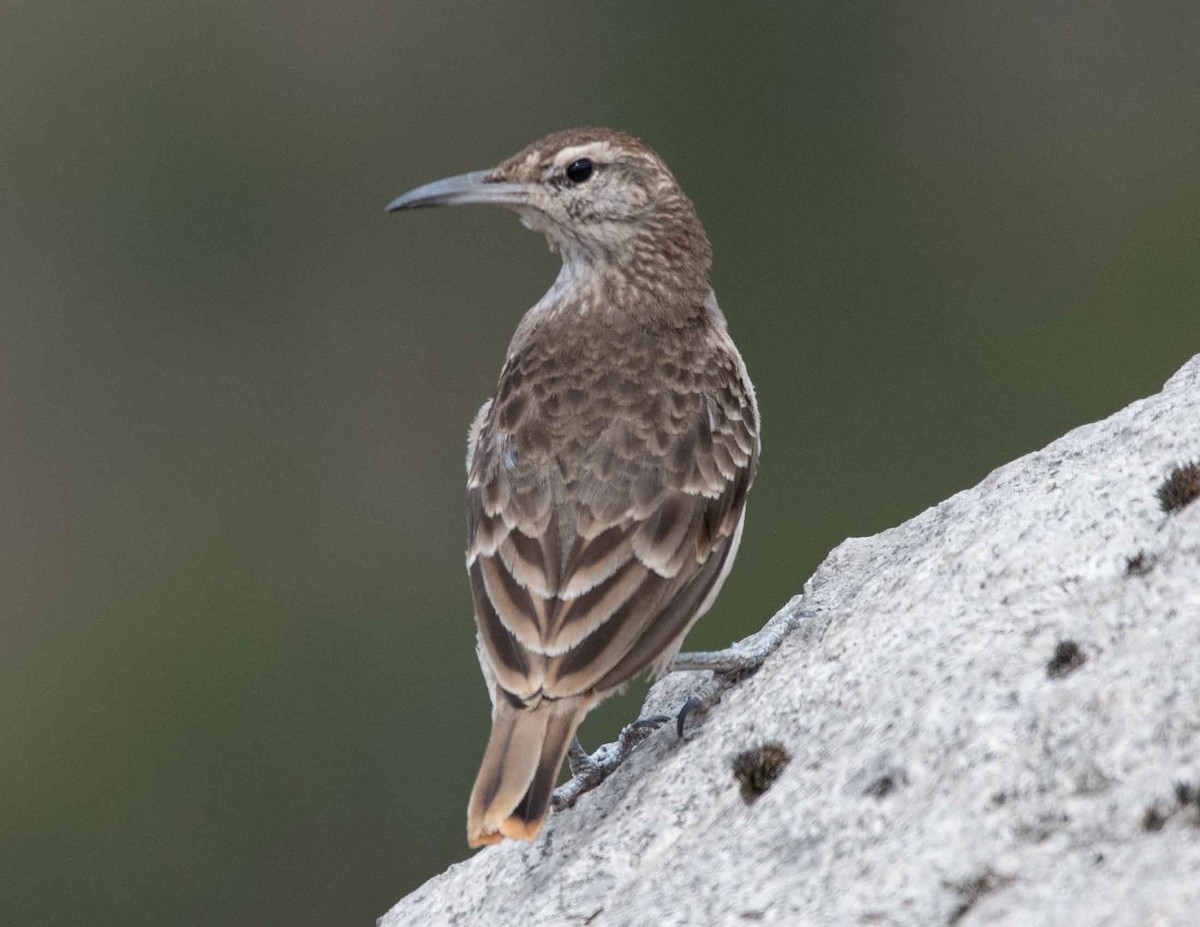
x,y
237,681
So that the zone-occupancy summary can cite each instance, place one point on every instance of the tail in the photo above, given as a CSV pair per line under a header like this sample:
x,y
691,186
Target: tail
x,y
520,766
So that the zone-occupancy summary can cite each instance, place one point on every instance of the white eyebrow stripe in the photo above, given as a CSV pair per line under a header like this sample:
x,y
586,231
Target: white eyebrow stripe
x,y
597,151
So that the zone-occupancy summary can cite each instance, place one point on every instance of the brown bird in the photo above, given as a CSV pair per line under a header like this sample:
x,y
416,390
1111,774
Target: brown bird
x,y
607,479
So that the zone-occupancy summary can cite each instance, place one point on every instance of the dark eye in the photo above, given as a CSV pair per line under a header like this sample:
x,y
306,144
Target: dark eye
x,y
581,170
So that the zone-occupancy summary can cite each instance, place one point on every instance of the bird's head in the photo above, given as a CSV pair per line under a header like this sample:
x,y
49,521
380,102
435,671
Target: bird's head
x,y
603,199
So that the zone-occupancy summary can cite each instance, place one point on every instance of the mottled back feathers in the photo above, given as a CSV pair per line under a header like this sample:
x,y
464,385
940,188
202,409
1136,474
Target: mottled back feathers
x,y
605,487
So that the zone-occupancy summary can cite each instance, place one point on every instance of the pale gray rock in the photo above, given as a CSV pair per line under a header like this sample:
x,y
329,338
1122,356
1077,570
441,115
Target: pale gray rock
x,y
989,719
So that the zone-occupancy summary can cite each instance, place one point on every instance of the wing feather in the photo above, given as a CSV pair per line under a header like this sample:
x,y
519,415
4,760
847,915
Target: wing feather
x,y
604,508
594,560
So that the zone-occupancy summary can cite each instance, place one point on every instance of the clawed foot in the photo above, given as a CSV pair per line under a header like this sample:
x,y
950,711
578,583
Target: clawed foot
x,y
729,666
734,664
587,772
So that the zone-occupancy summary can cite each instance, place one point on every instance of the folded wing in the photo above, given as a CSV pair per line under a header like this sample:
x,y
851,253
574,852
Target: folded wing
x,y
604,508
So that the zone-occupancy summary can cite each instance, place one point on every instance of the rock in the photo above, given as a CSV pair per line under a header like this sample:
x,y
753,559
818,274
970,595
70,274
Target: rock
x,y
992,717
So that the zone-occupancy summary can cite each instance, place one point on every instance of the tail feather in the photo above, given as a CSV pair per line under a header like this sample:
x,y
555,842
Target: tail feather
x,y
520,766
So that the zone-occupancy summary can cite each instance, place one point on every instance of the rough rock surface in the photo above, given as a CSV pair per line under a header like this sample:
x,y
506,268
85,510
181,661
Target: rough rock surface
x,y
993,718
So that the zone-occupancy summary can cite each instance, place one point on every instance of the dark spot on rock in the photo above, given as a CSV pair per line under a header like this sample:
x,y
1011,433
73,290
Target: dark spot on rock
x,y
1187,797
1185,800
970,890
1180,488
881,787
1091,779
756,770
1154,819
1068,657
1041,827
879,777
1139,564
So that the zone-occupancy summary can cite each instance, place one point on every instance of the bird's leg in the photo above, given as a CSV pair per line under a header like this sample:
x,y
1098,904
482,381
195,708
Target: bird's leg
x,y
734,663
587,772
728,667
578,760
743,658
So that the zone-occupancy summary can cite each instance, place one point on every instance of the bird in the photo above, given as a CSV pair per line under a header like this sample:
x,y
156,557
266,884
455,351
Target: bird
x,y
607,477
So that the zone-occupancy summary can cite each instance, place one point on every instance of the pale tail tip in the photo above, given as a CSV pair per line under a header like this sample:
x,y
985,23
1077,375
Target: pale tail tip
x,y
474,841
511,828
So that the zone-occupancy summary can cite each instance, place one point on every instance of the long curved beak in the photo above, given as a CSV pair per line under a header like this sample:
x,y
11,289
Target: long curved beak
x,y
465,188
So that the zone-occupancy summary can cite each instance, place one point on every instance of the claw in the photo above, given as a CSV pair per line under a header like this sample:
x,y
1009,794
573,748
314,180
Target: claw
x,y
587,772
729,667
689,706
578,760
